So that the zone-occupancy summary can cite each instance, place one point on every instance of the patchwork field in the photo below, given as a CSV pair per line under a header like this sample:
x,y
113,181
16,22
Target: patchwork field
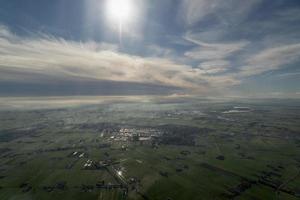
x,y
187,149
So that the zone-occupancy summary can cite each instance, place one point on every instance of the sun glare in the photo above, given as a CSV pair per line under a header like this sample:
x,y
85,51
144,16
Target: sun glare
x,y
120,14
120,11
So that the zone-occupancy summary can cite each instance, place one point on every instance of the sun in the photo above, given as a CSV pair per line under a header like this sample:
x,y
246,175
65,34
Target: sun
x,y
119,11
121,16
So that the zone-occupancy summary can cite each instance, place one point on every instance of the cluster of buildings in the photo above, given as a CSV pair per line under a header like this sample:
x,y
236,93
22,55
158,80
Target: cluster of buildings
x,y
137,134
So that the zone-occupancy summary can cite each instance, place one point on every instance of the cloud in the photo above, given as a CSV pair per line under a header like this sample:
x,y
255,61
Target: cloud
x,y
213,58
288,75
271,59
32,58
232,43
212,51
158,51
57,56
214,66
194,11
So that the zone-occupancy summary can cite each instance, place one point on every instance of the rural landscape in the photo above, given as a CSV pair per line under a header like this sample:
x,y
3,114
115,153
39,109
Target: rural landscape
x,y
178,148
150,100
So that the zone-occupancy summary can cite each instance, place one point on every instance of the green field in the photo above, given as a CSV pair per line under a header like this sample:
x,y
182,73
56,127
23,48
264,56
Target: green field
x,y
196,149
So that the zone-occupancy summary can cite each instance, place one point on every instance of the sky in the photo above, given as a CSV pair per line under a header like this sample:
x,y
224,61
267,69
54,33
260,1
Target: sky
x,y
161,47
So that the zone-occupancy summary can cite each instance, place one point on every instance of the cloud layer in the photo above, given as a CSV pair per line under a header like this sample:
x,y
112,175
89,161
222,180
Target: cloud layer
x,y
56,57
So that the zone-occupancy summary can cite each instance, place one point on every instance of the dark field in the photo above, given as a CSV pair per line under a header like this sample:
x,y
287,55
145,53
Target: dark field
x,y
159,149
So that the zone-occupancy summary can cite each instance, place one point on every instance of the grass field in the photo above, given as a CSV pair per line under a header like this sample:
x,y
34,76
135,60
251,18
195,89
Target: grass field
x,y
199,151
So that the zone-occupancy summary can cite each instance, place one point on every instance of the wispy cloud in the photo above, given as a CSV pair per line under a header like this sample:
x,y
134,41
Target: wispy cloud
x,y
213,58
233,33
212,51
158,51
288,75
225,11
214,66
101,61
271,59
